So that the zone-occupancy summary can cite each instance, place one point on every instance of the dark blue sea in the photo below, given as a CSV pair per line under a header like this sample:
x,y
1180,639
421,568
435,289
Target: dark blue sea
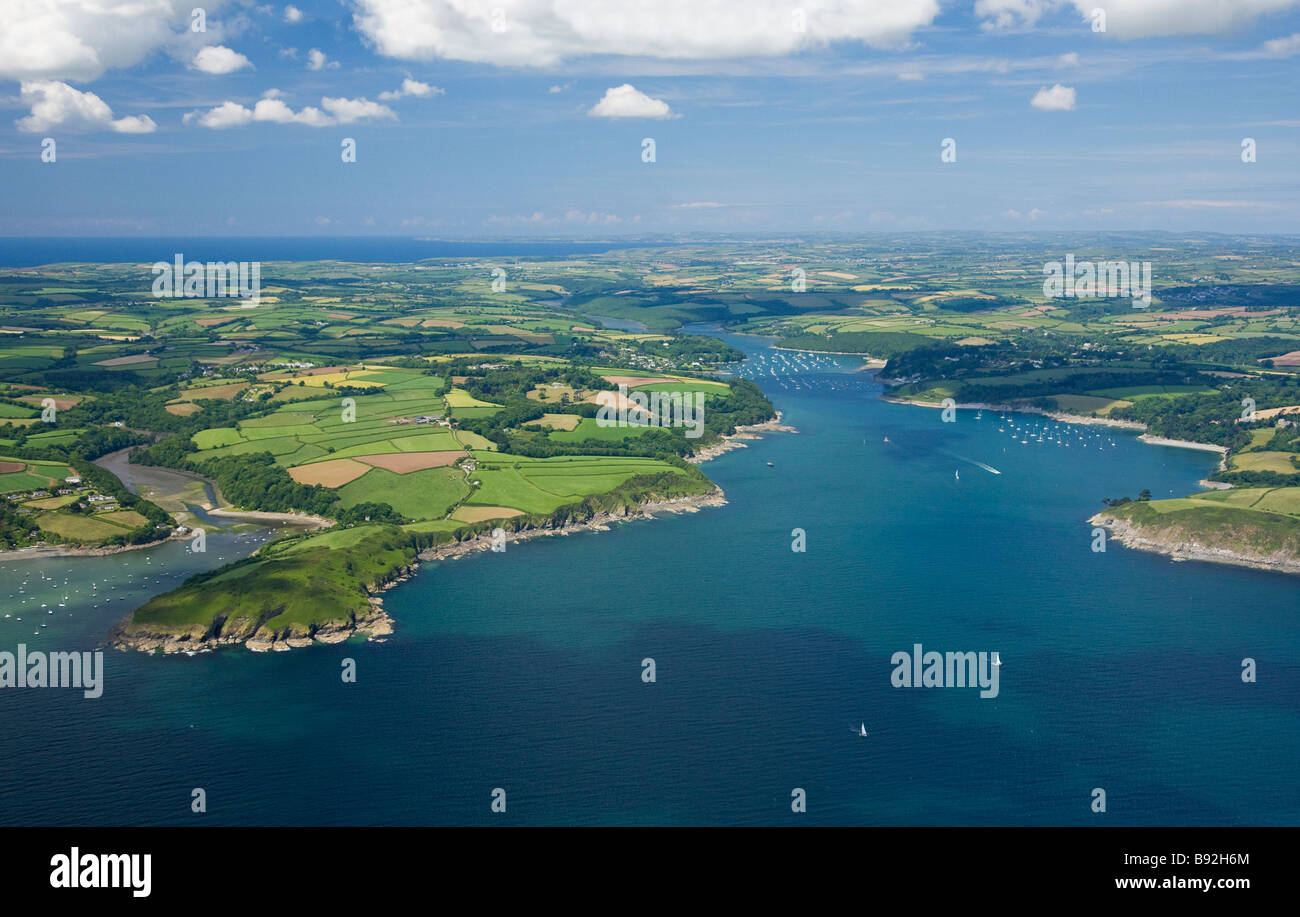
x,y
32,252
522,670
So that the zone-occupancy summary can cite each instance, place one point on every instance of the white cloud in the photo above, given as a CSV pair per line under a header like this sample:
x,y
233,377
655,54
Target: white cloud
x,y
1068,60
911,76
602,219
556,89
627,101
227,114
271,108
544,33
1283,47
1011,14
1135,18
219,59
1147,18
319,60
1208,204
278,112
1058,98
79,40
345,111
412,87
698,205
535,217
292,14
55,104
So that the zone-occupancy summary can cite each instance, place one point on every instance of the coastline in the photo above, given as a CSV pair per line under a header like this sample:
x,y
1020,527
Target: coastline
x,y
737,439
869,362
1063,417
1132,536
40,551
601,522
376,624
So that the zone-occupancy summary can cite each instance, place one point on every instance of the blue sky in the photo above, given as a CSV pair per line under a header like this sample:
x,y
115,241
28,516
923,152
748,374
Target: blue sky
x,y
500,118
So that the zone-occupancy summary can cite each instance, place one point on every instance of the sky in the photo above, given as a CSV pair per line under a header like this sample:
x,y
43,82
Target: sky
x,y
503,118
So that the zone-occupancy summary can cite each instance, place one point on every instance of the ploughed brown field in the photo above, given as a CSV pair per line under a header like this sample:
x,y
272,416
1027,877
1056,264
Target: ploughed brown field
x,y
7,467
61,402
127,361
1288,359
634,381
214,392
333,473
403,462
482,513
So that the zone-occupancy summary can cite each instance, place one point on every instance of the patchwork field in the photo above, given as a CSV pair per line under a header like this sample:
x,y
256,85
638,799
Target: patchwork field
x,y
19,475
426,494
543,485
323,429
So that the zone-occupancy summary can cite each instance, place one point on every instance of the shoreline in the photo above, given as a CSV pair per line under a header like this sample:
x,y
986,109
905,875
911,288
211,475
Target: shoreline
x,y
375,623
1132,536
737,440
868,361
1064,417
41,551
601,522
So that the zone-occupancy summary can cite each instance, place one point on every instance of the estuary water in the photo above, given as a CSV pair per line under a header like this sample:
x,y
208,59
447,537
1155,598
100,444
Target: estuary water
x,y
523,670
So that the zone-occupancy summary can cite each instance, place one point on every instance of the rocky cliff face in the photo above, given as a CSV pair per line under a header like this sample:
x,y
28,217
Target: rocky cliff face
x,y
368,619
1182,542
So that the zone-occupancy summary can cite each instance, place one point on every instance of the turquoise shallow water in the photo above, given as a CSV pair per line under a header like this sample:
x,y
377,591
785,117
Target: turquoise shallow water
x,y
522,670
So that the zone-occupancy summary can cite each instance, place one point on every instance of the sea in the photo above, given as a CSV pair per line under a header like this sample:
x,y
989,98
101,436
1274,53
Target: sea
x,y
17,252
524,676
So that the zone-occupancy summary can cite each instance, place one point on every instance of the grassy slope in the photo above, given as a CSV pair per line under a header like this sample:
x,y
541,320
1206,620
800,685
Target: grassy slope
x,y
1217,522
298,585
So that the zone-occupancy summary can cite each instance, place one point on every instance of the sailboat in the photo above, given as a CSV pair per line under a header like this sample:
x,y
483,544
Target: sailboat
x,y
997,660
956,475
862,730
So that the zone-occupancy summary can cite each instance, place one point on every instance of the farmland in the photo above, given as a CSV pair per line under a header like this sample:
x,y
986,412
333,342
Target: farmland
x,y
420,402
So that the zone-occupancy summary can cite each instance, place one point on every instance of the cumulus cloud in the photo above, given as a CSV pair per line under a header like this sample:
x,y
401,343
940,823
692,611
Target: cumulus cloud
x,y
412,87
55,104
219,59
1135,18
345,111
543,34
227,114
627,101
1068,60
319,60
1058,98
1283,47
292,14
271,108
594,218
1148,18
1011,14
78,40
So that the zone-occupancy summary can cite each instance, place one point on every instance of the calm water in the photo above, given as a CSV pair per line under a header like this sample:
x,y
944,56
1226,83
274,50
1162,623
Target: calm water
x,y
522,670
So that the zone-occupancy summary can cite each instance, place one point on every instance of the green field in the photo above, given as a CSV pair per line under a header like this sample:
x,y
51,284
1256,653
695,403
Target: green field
x,y
543,485
426,494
